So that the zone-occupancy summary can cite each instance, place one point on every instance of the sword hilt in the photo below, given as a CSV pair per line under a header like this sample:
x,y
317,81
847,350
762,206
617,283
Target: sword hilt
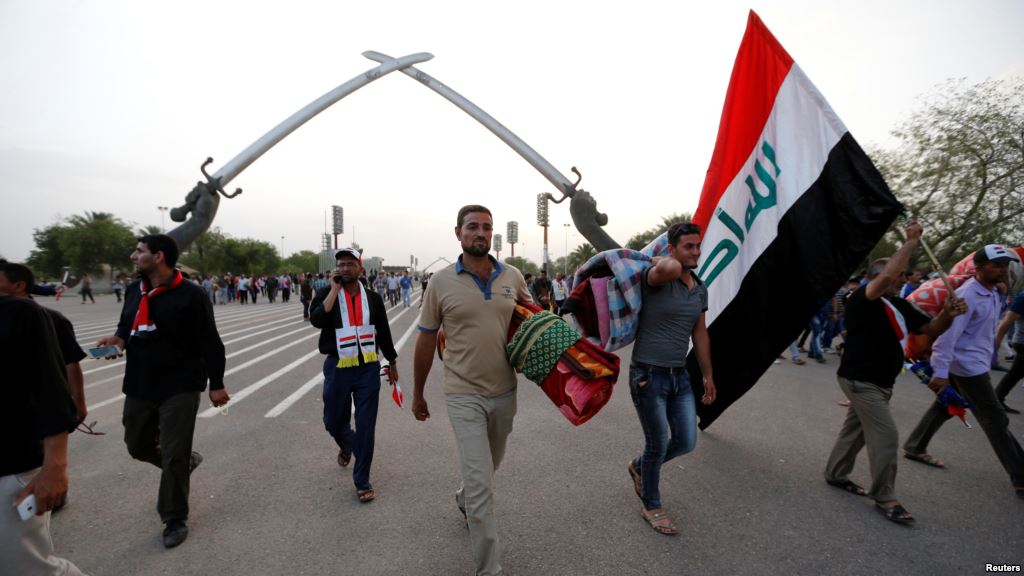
x,y
214,183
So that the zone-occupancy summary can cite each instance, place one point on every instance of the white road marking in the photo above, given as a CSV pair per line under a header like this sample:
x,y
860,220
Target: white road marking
x,y
255,386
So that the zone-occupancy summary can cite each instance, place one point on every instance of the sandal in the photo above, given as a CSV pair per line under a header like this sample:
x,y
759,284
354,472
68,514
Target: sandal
x,y
637,484
896,513
344,458
661,523
924,459
849,486
799,361
366,495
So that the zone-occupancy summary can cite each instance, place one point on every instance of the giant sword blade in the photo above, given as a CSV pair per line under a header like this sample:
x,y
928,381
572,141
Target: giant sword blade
x,y
582,206
204,199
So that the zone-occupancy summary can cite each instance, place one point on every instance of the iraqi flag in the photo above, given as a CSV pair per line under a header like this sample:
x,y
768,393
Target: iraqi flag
x,y
790,208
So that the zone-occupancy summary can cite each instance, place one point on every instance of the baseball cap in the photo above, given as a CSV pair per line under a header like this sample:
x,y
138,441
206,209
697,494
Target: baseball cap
x,y
351,252
993,253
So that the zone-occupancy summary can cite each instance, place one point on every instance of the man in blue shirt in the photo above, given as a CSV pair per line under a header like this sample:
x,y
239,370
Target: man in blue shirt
x,y
406,283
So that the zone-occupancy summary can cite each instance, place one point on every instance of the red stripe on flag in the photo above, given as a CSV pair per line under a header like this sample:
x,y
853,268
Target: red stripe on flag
x,y
762,64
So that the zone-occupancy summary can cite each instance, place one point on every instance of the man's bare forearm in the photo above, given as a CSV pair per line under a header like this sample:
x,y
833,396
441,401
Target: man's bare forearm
x,y
423,359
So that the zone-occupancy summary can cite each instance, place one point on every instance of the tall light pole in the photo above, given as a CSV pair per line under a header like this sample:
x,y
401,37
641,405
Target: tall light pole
x,y
565,263
162,209
512,235
282,247
542,220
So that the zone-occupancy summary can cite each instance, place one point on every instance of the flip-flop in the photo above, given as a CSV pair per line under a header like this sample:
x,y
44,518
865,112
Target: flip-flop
x,y
344,459
366,495
849,486
661,523
637,484
896,513
924,459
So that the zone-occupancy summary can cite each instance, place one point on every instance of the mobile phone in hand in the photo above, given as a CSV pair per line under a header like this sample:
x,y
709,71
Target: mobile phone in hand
x,y
104,351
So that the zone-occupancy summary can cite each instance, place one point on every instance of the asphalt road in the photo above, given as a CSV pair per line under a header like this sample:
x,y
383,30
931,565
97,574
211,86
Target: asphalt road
x,y
271,499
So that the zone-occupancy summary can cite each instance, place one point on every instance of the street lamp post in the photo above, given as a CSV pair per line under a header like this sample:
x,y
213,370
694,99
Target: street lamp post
x,y
162,209
565,263
282,247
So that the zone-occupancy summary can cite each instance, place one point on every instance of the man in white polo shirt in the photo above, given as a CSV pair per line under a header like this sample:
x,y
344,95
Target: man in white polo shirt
x,y
473,300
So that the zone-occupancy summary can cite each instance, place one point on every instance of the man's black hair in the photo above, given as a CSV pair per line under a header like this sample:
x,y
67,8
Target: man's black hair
x,y
162,243
681,229
469,209
18,273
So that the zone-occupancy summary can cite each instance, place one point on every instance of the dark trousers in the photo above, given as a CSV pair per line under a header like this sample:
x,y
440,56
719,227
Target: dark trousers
x,y
161,433
305,308
978,391
342,386
1013,375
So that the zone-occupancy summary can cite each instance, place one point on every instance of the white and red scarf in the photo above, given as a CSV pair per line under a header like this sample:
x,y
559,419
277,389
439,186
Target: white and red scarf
x,y
898,323
142,324
356,334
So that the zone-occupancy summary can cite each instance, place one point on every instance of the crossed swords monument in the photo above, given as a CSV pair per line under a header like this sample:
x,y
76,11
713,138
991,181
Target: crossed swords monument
x,y
202,202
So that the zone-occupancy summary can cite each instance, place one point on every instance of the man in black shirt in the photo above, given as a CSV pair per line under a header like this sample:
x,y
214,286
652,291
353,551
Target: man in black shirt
x,y
167,330
18,280
877,322
353,327
35,418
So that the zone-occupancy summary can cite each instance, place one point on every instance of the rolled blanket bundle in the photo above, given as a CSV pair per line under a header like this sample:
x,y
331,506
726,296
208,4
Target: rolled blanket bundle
x,y
577,376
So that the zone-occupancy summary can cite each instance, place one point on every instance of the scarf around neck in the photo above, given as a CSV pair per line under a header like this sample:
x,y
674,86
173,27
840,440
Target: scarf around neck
x,y
356,333
143,326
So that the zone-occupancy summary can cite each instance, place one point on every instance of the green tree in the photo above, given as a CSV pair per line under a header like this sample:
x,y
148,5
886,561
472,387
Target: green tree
x,y
302,261
638,241
958,166
525,265
83,242
214,252
149,230
580,255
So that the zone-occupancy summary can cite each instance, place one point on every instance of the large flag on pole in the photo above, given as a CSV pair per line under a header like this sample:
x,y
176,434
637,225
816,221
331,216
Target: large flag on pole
x,y
790,208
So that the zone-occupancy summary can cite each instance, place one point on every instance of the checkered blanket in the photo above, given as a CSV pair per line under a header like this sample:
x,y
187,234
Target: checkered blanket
x,y
624,266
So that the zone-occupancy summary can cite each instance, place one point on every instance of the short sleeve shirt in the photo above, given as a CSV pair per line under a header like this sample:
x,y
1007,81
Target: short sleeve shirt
x,y
475,315
70,351
667,318
873,352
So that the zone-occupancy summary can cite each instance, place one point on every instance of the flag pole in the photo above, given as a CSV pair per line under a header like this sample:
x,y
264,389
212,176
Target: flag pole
x,y
935,261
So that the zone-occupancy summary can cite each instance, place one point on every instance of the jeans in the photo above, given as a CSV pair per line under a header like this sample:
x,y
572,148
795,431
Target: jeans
x,y
815,347
406,292
668,415
342,386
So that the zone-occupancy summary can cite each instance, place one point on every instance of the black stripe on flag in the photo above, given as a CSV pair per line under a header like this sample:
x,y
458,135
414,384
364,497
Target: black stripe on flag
x,y
821,241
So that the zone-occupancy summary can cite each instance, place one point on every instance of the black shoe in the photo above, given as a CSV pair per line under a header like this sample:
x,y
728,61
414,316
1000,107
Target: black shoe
x,y
1009,410
175,532
194,461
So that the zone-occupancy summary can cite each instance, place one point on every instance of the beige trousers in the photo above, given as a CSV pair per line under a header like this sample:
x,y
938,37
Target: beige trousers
x,y
481,427
868,422
25,545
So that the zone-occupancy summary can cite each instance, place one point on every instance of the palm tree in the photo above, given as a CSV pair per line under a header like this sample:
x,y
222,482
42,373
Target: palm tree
x,y
638,241
149,230
581,254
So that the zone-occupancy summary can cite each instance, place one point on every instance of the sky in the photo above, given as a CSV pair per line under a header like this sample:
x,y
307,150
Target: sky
x,y
111,106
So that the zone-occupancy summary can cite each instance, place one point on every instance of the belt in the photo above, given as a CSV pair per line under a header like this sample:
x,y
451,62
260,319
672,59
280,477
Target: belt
x,y
663,369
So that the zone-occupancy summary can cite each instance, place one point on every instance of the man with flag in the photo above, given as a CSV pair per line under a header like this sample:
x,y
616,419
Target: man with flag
x,y
353,327
167,329
878,322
